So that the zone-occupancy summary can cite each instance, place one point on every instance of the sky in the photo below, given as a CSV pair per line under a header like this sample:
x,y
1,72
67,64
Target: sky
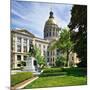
x,y
33,15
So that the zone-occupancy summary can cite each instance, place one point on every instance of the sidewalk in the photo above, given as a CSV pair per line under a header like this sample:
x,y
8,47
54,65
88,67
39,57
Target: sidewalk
x,y
23,84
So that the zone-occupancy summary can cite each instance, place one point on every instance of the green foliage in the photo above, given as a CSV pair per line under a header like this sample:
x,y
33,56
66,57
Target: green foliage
x,y
37,54
40,59
19,77
51,70
75,71
52,74
60,61
64,71
79,21
64,43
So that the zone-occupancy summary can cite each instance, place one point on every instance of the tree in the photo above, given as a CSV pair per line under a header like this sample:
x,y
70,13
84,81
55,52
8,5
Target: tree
x,y
35,52
60,61
79,38
64,43
40,59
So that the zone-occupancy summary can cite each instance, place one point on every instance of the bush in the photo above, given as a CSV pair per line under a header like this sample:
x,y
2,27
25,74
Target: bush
x,y
16,69
75,71
52,70
60,61
52,74
19,77
64,71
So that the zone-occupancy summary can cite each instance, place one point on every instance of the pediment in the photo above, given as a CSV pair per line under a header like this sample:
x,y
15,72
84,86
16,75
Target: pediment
x,y
25,32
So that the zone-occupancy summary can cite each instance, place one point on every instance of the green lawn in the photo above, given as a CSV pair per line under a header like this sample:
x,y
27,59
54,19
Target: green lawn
x,y
56,81
19,77
56,77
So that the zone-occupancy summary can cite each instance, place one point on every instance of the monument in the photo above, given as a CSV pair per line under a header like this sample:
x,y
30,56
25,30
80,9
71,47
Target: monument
x,y
31,62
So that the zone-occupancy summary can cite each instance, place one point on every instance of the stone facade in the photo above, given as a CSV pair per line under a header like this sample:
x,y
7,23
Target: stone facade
x,y
20,43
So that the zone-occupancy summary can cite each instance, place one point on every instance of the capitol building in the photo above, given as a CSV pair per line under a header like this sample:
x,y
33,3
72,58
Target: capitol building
x,y
21,40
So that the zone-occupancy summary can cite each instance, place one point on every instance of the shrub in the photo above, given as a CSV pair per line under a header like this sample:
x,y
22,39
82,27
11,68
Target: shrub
x,y
19,77
64,71
75,71
60,61
52,70
52,74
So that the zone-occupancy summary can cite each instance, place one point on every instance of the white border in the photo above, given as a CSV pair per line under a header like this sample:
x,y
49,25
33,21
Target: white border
x,y
85,2
5,44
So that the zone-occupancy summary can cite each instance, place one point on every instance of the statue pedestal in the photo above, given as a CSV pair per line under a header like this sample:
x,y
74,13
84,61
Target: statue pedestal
x,y
30,65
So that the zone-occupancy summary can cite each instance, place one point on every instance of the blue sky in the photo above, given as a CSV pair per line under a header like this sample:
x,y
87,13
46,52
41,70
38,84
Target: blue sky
x,y
32,15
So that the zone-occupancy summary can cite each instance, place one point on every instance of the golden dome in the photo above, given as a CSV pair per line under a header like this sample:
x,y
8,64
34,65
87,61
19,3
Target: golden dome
x,y
51,19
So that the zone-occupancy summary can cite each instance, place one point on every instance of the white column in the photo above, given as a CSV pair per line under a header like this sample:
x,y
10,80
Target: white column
x,y
27,44
15,61
22,58
22,45
15,44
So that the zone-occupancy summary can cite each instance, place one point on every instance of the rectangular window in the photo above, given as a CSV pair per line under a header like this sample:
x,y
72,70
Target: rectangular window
x,y
47,53
51,53
44,53
18,48
19,40
24,48
53,33
25,42
47,59
18,57
30,42
53,59
44,46
49,33
25,57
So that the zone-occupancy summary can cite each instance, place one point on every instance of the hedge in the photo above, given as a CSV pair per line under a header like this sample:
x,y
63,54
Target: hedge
x,y
52,70
52,74
75,71
19,77
64,71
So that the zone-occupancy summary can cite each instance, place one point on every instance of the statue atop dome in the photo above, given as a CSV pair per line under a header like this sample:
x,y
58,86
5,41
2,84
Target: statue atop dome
x,y
51,14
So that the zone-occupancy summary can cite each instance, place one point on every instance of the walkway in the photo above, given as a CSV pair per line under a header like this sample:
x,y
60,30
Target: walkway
x,y
23,84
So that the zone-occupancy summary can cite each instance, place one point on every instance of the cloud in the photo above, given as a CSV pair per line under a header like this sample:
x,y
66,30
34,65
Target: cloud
x,y
33,16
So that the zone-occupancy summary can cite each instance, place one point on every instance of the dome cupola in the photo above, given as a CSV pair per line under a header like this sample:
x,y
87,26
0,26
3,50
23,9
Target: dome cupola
x,y
51,19
51,14
51,28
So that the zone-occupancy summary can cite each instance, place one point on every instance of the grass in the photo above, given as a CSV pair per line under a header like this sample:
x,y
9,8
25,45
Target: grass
x,y
56,77
19,77
56,81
